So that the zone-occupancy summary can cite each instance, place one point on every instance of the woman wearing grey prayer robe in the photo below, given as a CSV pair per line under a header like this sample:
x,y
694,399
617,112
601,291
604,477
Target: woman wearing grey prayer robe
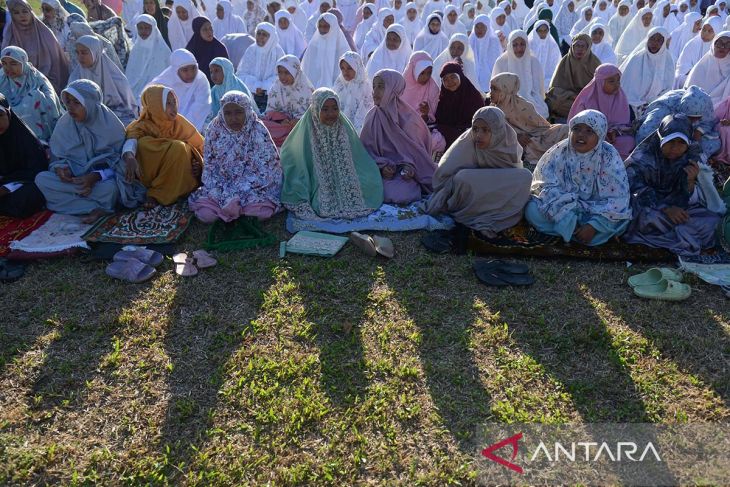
x,y
87,175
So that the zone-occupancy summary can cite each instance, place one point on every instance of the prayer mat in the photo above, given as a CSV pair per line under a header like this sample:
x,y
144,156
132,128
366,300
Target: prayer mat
x,y
524,241
240,234
313,243
59,234
162,224
387,218
17,228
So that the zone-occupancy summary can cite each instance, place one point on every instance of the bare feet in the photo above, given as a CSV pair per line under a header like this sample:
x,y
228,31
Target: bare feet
x,y
150,203
94,216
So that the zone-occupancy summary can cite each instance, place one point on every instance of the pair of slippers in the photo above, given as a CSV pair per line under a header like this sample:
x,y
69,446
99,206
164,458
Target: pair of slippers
x,y
188,266
134,266
11,271
661,283
498,273
373,245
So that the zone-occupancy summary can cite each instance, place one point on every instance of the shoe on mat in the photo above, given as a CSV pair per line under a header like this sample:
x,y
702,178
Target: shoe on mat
x,y
184,265
508,267
664,290
130,270
149,257
203,259
654,275
11,271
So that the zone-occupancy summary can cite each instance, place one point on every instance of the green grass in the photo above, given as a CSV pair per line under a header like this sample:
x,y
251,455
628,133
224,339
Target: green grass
x,y
331,372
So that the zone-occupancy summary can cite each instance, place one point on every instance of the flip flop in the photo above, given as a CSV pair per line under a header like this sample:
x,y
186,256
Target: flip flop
x,y
184,265
11,271
438,242
149,257
508,267
499,278
664,290
654,276
383,246
130,270
364,243
203,259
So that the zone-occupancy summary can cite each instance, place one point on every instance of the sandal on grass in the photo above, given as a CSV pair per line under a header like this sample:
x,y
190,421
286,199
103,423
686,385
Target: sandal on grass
x,y
498,277
203,259
654,276
149,257
130,270
184,265
11,271
508,267
664,290
364,243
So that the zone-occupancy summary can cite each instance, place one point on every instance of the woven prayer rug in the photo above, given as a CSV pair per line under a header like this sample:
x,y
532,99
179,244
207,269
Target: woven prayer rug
x,y
15,228
162,224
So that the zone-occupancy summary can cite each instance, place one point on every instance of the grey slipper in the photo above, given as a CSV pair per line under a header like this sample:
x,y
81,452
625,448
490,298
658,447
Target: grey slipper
x,y
384,246
364,243
130,270
146,256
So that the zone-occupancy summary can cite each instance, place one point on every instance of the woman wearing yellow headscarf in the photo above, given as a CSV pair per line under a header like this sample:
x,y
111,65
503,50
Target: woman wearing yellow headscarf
x,y
164,148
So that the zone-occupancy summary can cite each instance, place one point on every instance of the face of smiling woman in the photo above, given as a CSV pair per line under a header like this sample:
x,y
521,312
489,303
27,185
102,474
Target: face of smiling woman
x,y
583,138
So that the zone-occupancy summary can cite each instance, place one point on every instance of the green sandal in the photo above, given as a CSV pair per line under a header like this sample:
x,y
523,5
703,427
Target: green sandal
x,y
654,276
664,290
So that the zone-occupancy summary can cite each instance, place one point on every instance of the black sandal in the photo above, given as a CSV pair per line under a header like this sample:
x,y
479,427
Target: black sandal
x,y
11,271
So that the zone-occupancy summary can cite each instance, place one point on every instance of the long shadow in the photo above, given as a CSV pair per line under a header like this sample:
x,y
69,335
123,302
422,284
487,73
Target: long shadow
x,y
208,320
432,292
334,295
694,340
568,337
85,321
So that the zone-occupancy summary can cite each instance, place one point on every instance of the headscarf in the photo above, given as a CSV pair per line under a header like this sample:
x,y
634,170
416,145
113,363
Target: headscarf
x,y
230,24
291,39
149,57
566,181
22,155
384,58
618,23
447,27
356,95
154,122
254,17
529,70
486,51
464,17
467,61
116,93
193,97
376,34
546,16
327,171
415,93
647,75
545,50
565,19
634,34
160,20
412,27
231,82
40,44
683,34
603,50
713,74
181,32
257,68
294,99
30,95
456,108
340,18
581,23
94,143
496,12
241,166
433,44
573,74
321,60
58,24
205,51
364,26
694,50
394,133
615,107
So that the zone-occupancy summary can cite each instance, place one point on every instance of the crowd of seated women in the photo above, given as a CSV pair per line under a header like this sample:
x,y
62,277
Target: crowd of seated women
x,y
327,126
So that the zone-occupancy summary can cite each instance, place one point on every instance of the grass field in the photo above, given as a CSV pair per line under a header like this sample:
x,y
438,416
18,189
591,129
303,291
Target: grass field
x,y
332,372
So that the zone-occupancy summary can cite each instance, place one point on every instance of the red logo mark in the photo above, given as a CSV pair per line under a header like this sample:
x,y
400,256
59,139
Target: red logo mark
x,y
488,452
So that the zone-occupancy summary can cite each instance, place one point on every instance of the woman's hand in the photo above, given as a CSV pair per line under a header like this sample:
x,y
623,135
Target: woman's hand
x,y
524,139
196,168
131,167
64,174
692,169
676,215
697,135
387,172
86,183
725,122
